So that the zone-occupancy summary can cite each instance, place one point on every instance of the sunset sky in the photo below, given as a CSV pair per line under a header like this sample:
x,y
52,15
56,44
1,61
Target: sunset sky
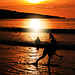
x,y
62,8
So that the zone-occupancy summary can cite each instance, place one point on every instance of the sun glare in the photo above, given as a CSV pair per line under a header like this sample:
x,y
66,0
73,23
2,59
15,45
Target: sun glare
x,y
34,1
35,24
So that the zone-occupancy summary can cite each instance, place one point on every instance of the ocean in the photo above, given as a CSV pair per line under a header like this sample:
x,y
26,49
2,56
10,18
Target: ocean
x,y
14,59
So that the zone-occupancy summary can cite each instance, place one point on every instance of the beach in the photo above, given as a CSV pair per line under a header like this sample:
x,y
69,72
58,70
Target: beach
x,y
17,60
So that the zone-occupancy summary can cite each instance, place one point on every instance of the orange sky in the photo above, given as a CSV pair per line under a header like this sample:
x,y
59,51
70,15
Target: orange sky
x,y
62,8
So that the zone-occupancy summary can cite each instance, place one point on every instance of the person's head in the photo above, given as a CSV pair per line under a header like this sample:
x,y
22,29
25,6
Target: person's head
x,y
51,35
37,37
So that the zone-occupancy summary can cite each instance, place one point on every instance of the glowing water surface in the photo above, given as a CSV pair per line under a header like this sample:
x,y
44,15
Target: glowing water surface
x,y
14,59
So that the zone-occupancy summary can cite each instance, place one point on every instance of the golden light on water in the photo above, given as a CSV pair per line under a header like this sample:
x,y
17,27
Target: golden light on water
x,y
35,24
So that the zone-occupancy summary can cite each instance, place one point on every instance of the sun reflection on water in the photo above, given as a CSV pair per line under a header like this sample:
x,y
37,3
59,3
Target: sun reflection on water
x,y
35,24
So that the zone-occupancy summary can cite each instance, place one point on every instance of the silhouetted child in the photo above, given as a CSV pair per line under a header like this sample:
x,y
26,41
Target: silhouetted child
x,y
37,41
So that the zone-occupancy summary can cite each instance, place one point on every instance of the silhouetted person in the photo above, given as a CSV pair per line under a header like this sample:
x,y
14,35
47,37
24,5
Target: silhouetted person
x,y
37,41
53,41
49,49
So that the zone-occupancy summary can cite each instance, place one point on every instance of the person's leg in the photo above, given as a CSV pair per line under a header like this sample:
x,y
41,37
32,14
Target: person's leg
x,y
44,54
58,55
49,55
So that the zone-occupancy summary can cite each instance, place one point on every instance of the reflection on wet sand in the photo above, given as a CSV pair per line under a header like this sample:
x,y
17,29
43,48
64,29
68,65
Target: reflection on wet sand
x,y
17,60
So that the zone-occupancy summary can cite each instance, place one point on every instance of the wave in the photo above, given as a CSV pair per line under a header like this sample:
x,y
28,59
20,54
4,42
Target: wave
x,y
72,31
60,45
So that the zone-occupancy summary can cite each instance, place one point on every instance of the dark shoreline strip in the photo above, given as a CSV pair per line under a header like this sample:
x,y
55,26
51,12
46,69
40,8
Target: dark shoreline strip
x,y
41,45
71,31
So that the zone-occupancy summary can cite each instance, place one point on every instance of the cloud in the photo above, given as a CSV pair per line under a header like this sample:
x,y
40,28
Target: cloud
x,y
50,6
66,6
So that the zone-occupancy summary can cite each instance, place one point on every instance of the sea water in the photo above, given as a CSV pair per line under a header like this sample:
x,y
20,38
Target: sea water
x,y
14,59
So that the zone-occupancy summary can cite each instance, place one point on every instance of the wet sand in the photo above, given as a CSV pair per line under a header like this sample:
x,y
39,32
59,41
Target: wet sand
x,y
14,60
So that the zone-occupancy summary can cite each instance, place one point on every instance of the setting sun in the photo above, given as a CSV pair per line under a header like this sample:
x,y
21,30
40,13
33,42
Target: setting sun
x,y
34,1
